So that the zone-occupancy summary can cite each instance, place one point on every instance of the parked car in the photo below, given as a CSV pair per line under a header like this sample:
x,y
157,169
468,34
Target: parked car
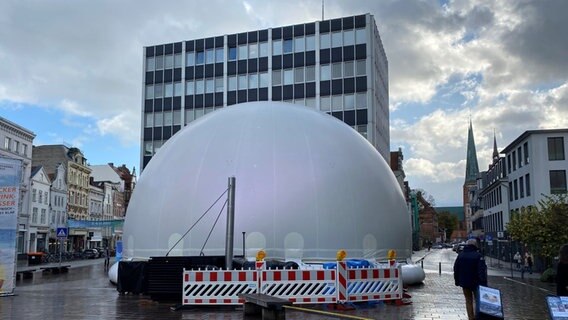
x,y
90,254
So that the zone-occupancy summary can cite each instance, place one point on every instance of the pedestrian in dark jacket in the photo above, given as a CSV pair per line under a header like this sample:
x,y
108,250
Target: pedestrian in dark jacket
x,y
562,272
470,272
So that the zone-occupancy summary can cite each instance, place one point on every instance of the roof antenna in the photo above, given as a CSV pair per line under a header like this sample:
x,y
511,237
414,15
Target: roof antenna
x,y
322,6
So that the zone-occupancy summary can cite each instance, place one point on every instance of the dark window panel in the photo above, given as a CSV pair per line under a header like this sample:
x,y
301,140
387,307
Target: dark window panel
x,y
167,132
277,93
361,84
189,73
299,59
348,85
325,56
167,104
298,30
241,96
159,76
199,72
159,50
177,47
263,64
349,117
168,75
158,105
263,35
231,97
253,95
209,70
177,103
219,42
241,66
253,36
190,46
176,128
325,88
349,53
232,68
218,69
287,33
348,23
336,55
263,94
362,116
338,115
199,101
188,102
157,133
360,51
177,74
360,21
146,160
298,91
242,38
169,48
310,89
288,92
252,65
149,77
147,134
324,26
276,62
337,86
232,40
335,25
209,43
310,28
287,61
219,99
276,33
148,105
209,99
199,45
149,51
310,58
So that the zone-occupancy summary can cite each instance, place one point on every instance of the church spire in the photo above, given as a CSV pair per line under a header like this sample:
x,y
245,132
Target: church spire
x,y
495,152
471,166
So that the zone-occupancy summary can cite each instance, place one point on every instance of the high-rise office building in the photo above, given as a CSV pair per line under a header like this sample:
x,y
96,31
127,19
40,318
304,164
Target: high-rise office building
x,y
337,66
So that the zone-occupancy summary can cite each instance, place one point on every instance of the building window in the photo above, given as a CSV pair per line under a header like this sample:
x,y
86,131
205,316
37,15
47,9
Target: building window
x,y
520,157
516,189
510,191
514,157
34,215
310,43
178,89
16,146
336,40
158,119
263,77
276,47
7,142
349,38
310,74
360,36
253,81
169,62
232,54
34,191
219,55
528,184
177,117
325,41
263,49
219,84
242,82
177,60
361,67
287,46
522,187
210,56
168,118
150,64
526,152
42,220
232,85
189,89
555,148
40,196
557,181
200,57
190,59
288,76
336,70
299,44
169,90
159,63
325,72
242,52
299,75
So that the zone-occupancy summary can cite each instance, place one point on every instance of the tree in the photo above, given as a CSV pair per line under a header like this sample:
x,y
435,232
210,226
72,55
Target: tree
x,y
543,229
447,221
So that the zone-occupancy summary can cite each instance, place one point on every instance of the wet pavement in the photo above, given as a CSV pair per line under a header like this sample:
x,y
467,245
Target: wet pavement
x,y
86,293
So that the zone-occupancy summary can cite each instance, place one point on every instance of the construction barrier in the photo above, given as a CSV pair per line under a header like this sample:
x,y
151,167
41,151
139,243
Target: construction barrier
x,y
338,285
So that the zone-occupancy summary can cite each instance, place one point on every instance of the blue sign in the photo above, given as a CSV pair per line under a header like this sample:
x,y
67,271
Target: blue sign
x,y
62,232
488,238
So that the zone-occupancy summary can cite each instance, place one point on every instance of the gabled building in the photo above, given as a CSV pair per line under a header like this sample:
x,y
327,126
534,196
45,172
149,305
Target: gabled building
x,y
40,203
59,198
471,175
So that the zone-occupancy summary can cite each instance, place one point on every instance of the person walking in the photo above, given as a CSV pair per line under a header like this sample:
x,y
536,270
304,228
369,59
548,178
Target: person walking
x,y
529,261
470,271
562,272
518,259
107,257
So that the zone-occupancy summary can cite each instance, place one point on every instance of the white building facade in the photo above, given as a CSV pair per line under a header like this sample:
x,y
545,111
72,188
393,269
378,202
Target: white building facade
x,y
59,196
40,202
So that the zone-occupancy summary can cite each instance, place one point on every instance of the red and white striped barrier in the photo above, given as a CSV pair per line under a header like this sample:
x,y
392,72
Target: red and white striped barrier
x,y
299,286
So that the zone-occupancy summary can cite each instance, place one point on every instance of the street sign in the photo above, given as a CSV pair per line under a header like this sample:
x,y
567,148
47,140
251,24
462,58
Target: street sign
x,y
62,232
488,238
500,234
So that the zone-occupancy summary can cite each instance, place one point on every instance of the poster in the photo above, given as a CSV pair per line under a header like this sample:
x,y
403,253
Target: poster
x,y
10,172
490,302
558,307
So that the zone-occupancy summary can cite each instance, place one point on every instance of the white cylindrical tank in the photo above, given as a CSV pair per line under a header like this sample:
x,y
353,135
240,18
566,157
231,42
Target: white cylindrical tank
x,y
307,185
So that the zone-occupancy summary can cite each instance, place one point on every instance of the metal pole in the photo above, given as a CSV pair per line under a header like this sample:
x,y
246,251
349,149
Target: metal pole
x,y
511,255
244,255
440,267
230,224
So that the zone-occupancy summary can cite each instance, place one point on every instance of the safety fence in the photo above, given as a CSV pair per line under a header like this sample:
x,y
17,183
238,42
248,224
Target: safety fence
x,y
339,285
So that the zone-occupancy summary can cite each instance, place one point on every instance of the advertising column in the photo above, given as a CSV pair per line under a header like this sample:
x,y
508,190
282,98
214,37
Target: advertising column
x,y
10,172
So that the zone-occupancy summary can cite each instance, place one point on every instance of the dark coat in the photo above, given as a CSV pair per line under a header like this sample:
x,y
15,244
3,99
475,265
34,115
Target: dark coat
x,y
562,279
470,269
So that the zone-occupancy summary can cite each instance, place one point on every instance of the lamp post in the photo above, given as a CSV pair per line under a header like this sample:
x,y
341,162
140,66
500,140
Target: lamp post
x,y
505,184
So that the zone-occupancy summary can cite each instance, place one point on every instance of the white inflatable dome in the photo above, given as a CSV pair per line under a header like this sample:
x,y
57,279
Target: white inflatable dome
x,y
307,185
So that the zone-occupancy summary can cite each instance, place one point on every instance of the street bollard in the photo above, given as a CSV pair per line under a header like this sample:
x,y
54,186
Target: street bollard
x,y
422,263
440,267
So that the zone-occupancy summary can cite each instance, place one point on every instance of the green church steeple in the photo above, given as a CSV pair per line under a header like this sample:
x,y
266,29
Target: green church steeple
x,y
471,166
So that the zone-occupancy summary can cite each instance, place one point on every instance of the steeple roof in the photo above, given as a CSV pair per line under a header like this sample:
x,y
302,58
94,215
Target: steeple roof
x,y
495,151
471,165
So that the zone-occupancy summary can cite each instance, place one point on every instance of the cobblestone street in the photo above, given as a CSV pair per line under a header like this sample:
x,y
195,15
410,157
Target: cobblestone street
x,y
86,293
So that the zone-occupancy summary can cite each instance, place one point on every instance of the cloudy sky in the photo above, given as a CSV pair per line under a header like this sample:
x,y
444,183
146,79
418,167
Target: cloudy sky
x,y
71,71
